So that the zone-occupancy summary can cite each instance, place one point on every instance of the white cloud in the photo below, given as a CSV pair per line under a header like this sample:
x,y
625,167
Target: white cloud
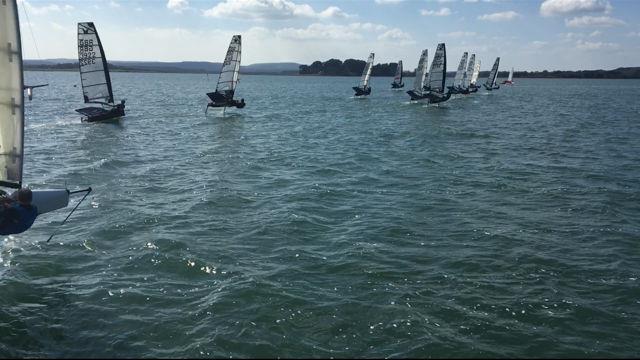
x,y
441,12
571,7
586,21
177,5
595,33
384,2
396,35
458,34
319,31
588,45
500,16
537,44
114,4
270,9
43,10
633,34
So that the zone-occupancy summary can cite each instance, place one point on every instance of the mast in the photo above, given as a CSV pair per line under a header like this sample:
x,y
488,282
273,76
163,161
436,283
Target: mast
x,y
228,78
94,71
11,96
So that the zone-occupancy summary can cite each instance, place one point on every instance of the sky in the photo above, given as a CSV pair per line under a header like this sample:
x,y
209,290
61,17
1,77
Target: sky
x,y
530,35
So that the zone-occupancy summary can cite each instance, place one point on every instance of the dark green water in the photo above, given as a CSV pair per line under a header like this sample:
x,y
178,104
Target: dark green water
x,y
312,224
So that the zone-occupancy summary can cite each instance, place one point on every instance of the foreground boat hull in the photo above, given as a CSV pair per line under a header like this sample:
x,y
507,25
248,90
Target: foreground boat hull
x,y
430,97
362,92
490,88
93,114
397,86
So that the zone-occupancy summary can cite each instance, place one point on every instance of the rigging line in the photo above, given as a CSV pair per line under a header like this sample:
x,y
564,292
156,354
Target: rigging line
x,y
31,30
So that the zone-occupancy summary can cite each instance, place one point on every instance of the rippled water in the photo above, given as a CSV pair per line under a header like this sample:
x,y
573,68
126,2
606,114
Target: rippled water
x,y
317,225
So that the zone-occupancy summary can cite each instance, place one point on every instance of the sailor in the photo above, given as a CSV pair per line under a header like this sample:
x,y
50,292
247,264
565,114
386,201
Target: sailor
x,y
17,216
241,104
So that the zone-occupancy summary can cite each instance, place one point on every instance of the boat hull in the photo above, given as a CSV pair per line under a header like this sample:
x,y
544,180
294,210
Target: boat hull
x,y
397,86
362,92
93,114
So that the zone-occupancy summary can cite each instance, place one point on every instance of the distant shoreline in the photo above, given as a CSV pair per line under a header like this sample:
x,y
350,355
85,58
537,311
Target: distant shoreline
x,y
619,73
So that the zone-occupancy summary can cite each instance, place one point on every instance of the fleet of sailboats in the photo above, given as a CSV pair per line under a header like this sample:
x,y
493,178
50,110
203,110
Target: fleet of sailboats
x,y
12,159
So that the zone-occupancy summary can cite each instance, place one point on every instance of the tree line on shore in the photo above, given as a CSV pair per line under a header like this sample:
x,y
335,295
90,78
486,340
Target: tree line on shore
x,y
353,67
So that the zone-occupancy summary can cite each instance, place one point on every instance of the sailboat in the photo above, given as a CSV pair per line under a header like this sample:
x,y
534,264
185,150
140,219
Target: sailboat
x,y
397,80
466,82
12,118
509,81
94,75
363,88
228,78
418,82
491,84
456,88
435,88
473,87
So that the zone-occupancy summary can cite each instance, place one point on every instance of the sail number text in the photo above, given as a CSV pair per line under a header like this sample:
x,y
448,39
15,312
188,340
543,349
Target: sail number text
x,y
85,49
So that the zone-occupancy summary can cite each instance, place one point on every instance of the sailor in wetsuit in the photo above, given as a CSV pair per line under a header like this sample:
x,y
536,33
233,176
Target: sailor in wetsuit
x,y
17,216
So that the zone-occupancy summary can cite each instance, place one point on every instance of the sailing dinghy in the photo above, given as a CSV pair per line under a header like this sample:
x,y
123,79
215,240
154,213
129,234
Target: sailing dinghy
x,y
12,118
94,75
435,87
466,82
421,73
460,76
228,79
473,87
491,84
509,81
397,83
363,88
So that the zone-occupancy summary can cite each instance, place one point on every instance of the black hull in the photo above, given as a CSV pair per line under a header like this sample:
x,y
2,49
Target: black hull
x,y
95,114
232,103
396,86
432,98
362,92
224,100
489,88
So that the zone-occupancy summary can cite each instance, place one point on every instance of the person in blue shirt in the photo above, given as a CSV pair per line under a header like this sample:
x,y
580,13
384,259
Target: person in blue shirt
x,y
17,216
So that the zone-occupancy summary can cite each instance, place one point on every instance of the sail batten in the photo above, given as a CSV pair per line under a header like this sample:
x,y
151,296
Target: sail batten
x,y
11,96
94,71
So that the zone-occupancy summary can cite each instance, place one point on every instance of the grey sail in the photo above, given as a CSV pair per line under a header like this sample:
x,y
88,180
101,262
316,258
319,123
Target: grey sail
x,y
397,79
94,73
491,80
11,97
228,79
469,74
366,74
421,72
460,73
437,72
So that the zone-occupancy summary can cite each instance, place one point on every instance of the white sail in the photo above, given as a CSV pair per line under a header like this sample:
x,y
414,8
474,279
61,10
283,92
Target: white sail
x,y
228,79
469,74
491,80
366,74
398,78
438,70
510,75
11,96
421,72
94,73
457,81
476,73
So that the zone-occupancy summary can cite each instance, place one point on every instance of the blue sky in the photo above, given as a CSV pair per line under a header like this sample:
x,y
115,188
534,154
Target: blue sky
x,y
527,35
